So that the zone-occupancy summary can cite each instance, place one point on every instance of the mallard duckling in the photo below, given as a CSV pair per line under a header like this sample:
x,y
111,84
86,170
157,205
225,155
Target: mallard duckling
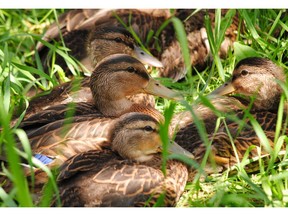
x,y
114,78
255,80
127,174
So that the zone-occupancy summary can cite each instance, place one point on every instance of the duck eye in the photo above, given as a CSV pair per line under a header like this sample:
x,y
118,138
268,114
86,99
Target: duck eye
x,y
148,128
131,69
118,39
244,73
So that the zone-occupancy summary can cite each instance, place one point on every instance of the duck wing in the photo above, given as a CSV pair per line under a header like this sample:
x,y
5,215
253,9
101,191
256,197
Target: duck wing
x,y
112,181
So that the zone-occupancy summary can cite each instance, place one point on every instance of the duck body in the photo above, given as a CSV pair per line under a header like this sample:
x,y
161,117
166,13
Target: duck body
x,y
199,48
83,133
104,179
127,173
243,137
183,124
76,91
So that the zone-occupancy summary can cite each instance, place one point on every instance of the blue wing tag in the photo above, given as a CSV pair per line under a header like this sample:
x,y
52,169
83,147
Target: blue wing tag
x,y
43,158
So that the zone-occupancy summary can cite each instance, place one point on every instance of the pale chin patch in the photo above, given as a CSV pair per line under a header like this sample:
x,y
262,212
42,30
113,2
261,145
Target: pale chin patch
x,y
144,158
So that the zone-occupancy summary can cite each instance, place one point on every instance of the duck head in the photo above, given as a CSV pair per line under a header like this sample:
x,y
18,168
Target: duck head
x,y
255,77
121,75
106,40
136,136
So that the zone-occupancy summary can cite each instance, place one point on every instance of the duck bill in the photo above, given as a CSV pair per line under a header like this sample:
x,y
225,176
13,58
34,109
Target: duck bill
x,y
225,89
145,58
156,88
174,148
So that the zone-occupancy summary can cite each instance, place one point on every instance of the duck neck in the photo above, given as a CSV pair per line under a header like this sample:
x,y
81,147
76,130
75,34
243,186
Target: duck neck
x,y
113,108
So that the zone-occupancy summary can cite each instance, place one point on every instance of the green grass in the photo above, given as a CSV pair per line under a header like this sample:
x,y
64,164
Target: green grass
x,y
241,189
264,30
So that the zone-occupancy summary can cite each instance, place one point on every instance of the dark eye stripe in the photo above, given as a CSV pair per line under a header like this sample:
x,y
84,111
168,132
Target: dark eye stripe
x,y
146,128
118,39
236,76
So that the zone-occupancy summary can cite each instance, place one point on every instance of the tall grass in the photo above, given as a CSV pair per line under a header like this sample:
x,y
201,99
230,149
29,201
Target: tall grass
x,y
267,38
20,73
264,34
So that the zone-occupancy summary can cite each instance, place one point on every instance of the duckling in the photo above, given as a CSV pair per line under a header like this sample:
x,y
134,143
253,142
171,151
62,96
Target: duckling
x,y
253,84
126,174
114,78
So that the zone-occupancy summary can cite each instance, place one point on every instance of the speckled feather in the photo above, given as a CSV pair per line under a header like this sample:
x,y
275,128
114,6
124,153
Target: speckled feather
x,y
117,182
